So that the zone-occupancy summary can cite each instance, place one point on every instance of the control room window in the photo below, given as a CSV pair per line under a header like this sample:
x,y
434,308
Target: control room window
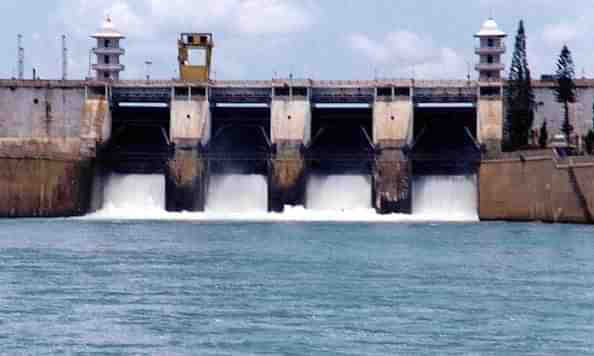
x,y
490,42
107,43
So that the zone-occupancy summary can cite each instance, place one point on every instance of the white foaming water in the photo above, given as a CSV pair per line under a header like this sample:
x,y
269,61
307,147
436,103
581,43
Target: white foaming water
x,y
330,199
236,193
453,198
131,196
339,193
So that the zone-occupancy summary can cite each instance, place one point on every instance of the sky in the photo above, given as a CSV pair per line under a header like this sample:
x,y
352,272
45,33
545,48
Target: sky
x,y
329,39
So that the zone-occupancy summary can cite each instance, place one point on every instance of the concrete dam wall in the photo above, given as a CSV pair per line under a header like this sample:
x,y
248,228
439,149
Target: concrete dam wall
x,y
61,140
539,188
48,139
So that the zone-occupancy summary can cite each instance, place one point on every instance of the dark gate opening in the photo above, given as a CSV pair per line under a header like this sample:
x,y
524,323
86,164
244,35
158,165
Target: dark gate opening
x,y
445,141
341,141
240,141
139,141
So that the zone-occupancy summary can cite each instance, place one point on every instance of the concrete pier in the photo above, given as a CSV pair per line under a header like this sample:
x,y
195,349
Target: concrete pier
x,y
392,133
392,182
186,174
290,134
186,181
490,117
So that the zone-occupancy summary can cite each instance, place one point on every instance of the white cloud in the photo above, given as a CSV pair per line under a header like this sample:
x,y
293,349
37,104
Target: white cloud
x,y
145,18
272,16
404,53
370,48
560,33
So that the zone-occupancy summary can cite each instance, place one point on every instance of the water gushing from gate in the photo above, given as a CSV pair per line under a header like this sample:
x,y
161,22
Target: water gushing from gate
x,y
445,197
237,193
339,192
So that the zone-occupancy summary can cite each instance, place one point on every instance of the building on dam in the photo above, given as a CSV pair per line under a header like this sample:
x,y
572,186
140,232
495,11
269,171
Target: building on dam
x,y
60,139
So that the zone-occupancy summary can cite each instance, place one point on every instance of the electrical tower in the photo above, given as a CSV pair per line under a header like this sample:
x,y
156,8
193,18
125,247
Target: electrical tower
x,y
64,58
20,57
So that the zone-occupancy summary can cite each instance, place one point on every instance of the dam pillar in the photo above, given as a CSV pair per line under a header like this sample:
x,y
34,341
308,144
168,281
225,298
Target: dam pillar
x,y
392,133
490,117
186,173
290,133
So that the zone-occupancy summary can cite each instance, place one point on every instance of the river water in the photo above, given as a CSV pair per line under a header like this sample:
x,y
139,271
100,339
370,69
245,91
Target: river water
x,y
207,288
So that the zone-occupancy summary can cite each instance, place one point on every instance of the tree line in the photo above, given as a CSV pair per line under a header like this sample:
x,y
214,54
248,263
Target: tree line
x,y
520,99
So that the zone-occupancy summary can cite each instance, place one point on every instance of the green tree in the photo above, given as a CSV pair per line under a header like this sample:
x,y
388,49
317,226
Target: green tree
x,y
519,96
565,90
589,139
543,138
590,142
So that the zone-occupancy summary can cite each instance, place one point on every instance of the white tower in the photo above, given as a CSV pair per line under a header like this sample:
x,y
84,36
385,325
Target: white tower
x,y
108,52
490,51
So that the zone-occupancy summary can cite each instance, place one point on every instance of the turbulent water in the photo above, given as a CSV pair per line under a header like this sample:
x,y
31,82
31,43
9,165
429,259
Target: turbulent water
x,y
328,198
339,193
71,287
237,194
134,194
437,196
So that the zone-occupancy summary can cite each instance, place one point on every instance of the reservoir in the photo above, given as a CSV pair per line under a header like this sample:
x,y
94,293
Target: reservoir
x,y
124,287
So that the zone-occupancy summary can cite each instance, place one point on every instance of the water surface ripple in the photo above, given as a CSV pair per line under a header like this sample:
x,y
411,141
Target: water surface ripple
x,y
182,288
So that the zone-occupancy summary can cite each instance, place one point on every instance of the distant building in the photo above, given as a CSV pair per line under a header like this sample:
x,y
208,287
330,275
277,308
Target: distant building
x,y
549,109
490,51
108,52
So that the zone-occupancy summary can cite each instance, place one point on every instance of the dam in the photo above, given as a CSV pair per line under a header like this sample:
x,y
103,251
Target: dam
x,y
337,145
295,135
193,144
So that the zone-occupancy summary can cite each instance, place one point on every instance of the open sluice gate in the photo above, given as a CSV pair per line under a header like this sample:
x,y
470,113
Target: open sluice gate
x,y
340,158
238,158
445,155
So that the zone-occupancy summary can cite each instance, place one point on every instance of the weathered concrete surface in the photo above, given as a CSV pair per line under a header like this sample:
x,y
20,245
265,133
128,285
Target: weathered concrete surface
x,y
186,181
95,126
48,136
287,178
392,131
44,188
290,132
490,123
392,182
536,189
40,112
190,122
290,120
393,122
187,172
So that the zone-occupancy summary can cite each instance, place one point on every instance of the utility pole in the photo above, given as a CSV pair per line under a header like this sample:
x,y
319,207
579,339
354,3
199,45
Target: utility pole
x,y
20,57
148,69
64,58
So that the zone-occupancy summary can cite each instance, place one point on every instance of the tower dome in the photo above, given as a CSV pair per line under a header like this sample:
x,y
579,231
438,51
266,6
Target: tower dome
x,y
108,51
490,28
108,30
490,50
